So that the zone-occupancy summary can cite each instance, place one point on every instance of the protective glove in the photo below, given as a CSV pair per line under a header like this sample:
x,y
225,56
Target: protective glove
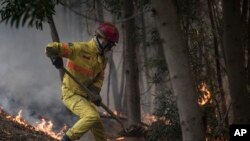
x,y
57,62
96,98
52,49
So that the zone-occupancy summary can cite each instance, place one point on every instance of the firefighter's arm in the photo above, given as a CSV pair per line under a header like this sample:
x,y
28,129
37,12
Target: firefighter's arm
x,y
61,49
95,88
67,50
97,84
98,81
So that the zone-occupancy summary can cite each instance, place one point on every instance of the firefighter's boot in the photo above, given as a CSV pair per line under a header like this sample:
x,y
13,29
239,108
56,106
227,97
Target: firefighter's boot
x,y
65,138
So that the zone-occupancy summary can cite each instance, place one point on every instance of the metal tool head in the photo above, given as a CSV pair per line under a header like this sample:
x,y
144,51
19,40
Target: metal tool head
x,y
134,130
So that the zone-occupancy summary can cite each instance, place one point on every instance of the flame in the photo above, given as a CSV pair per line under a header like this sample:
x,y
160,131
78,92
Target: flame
x,y
206,94
118,114
47,126
148,118
19,119
115,113
43,125
117,139
120,139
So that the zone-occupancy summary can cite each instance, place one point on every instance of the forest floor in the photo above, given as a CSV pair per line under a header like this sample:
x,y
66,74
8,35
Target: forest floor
x,y
12,131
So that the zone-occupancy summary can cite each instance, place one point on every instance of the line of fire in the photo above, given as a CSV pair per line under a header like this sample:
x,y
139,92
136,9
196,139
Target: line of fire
x,y
148,119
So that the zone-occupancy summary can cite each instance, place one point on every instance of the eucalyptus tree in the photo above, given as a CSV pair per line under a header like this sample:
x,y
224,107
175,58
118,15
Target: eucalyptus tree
x,y
235,62
176,54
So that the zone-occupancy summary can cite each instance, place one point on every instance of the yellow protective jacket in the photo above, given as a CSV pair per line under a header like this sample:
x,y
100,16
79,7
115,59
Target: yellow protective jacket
x,y
84,62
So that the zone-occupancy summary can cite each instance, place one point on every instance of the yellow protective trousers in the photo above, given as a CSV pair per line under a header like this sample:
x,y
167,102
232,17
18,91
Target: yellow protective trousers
x,y
86,64
89,118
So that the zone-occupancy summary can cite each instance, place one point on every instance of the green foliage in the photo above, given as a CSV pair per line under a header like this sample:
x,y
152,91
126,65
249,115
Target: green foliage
x,y
113,6
166,106
168,125
155,36
161,66
215,130
141,3
32,12
188,9
156,62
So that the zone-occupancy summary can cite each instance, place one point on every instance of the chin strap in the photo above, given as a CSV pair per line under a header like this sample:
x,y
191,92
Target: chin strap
x,y
109,45
100,45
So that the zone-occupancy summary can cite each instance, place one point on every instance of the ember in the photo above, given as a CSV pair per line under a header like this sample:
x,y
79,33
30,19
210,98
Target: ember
x,y
120,139
148,118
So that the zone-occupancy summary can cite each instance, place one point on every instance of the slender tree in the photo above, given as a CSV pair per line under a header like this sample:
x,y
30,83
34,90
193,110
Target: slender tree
x,y
131,69
235,61
175,51
217,62
248,49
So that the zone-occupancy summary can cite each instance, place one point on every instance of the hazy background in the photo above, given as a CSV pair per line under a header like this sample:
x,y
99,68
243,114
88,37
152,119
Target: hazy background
x,y
28,79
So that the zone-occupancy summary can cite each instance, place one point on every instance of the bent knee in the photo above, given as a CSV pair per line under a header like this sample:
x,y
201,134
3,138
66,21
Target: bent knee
x,y
91,116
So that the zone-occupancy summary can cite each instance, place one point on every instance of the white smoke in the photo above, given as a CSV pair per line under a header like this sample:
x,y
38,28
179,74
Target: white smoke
x,y
28,79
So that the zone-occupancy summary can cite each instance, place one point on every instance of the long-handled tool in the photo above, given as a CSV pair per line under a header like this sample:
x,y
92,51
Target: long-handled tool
x,y
90,94
131,131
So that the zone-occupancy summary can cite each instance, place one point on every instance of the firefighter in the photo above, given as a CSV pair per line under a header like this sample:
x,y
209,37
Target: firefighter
x,y
86,61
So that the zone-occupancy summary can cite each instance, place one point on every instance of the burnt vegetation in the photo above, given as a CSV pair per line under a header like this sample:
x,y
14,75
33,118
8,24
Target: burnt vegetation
x,y
13,131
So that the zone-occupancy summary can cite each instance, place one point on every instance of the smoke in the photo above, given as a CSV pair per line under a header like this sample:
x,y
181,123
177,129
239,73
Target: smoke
x,y
28,80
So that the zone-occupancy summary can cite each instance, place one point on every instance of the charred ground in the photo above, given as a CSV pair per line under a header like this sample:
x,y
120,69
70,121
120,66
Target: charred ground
x,y
12,131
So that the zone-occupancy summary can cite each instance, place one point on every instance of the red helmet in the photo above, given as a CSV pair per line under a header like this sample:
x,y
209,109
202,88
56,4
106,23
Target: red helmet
x,y
108,31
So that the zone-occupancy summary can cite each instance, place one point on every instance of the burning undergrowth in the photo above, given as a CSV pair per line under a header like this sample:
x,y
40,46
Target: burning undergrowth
x,y
14,128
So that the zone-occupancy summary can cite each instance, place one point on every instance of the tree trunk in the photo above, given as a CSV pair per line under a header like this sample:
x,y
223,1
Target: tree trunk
x,y
235,61
55,38
123,79
145,90
222,99
248,51
100,15
162,75
244,10
175,51
131,69
114,83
